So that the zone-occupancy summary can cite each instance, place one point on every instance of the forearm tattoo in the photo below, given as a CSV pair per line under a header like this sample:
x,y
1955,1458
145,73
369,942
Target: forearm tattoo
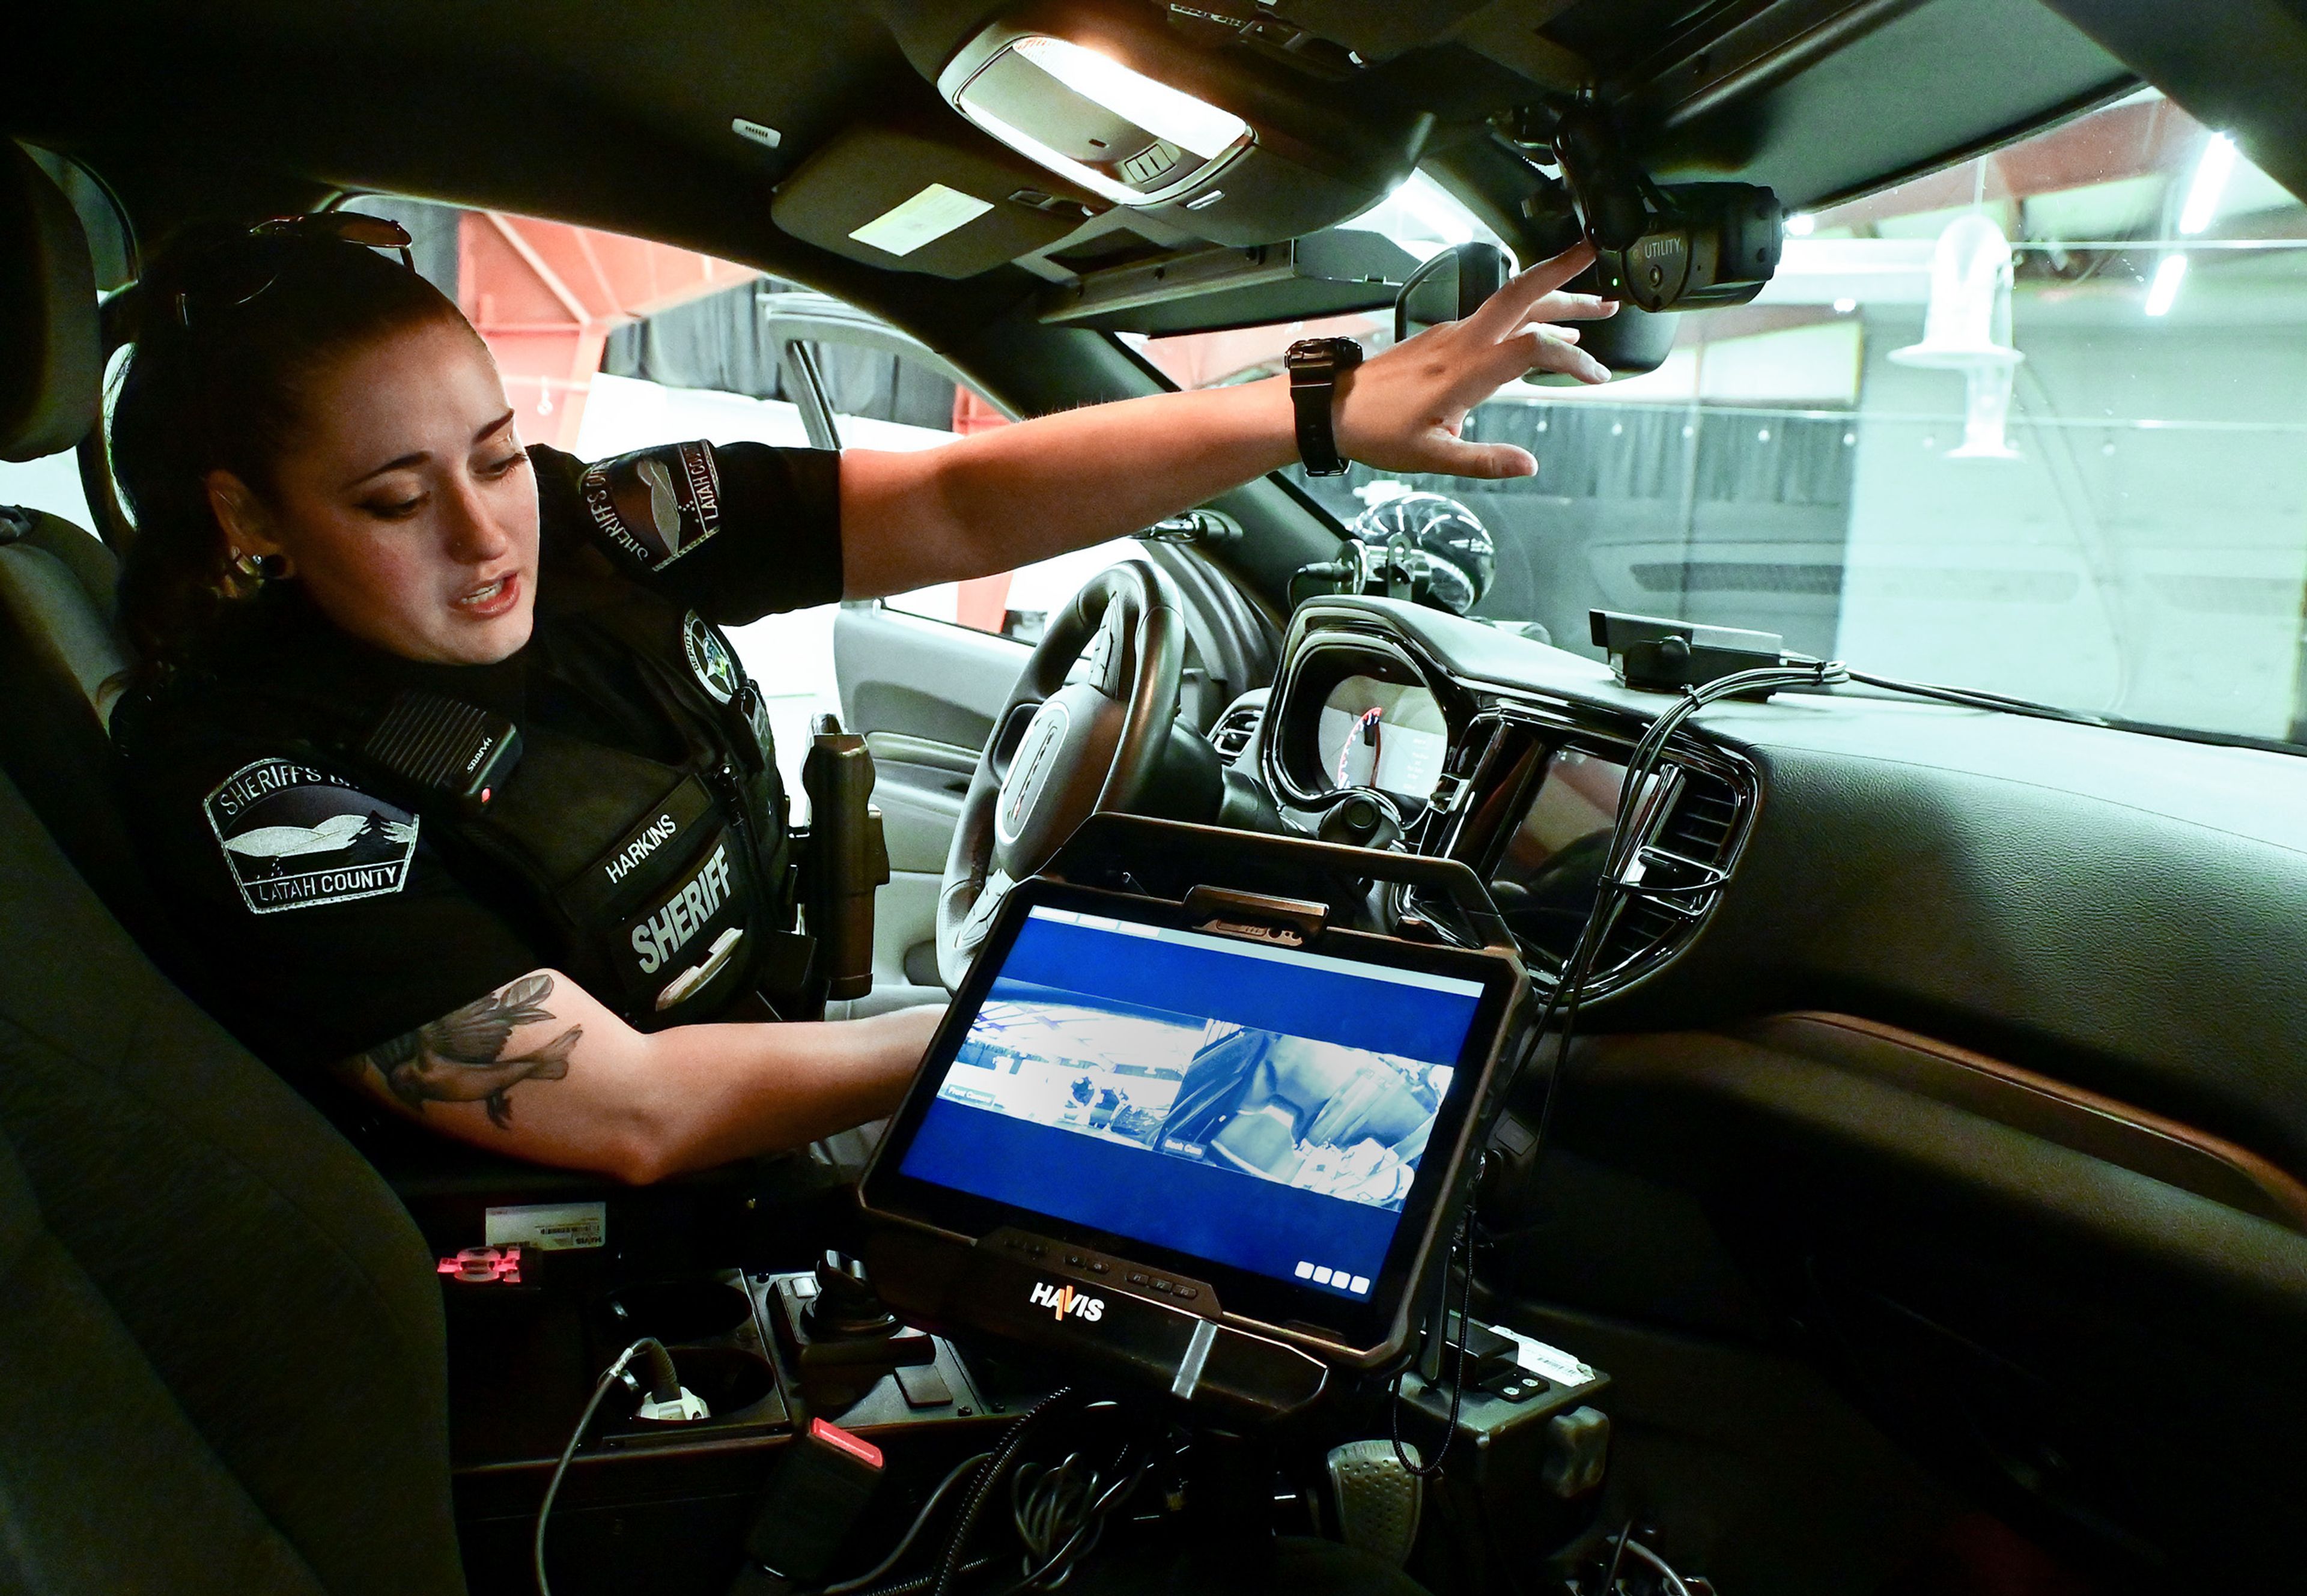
x,y
459,1058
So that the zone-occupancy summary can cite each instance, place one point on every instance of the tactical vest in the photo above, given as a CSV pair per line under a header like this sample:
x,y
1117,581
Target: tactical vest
x,y
670,887
666,890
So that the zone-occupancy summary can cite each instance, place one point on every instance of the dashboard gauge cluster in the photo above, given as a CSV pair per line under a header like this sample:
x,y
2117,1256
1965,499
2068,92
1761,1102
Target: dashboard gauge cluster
x,y
1382,734
1523,787
1354,712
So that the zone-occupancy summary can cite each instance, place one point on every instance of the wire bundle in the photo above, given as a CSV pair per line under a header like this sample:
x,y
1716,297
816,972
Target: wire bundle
x,y
1621,878
1060,1511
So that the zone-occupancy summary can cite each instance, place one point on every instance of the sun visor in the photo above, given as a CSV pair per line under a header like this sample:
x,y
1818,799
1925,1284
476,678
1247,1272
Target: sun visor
x,y
910,199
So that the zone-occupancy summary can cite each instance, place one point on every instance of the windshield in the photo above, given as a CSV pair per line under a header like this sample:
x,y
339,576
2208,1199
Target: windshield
x,y
2080,478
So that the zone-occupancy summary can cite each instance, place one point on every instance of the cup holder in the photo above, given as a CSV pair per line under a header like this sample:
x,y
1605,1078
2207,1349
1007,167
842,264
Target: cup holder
x,y
729,1378
678,1311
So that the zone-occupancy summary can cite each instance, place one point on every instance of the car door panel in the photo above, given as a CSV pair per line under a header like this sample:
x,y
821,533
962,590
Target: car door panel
x,y
920,784
924,694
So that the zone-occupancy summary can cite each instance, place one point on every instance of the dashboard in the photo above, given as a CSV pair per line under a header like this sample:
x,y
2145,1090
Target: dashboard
x,y
2018,883
1961,1049
1523,785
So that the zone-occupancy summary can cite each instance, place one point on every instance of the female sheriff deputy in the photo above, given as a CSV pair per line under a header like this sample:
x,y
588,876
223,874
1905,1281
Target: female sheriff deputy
x,y
350,577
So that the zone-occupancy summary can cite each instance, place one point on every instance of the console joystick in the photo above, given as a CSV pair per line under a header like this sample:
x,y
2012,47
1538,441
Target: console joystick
x,y
846,1308
841,1337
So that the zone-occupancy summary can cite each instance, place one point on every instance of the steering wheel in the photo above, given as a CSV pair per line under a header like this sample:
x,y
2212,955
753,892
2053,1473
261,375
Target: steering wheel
x,y
1061,751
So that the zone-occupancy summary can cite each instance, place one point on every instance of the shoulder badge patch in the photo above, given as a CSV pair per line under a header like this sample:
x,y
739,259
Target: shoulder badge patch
x,y
294,837
710,659
655,504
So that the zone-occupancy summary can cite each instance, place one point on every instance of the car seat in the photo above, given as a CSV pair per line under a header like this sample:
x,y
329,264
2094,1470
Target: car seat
x,y
64,663
227,1335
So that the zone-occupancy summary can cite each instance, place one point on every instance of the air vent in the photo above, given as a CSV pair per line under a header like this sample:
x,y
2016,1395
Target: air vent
x,y
1700,832
1238,729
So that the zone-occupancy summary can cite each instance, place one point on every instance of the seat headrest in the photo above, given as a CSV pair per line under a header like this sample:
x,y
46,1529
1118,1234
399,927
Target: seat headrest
x,y
51,351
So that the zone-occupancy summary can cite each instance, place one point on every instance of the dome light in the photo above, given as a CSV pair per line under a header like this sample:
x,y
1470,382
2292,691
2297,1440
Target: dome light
x,y
1110,128
1160,110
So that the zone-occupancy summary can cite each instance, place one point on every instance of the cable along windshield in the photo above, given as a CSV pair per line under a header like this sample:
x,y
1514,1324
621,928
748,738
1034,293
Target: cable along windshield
x,y
2036,423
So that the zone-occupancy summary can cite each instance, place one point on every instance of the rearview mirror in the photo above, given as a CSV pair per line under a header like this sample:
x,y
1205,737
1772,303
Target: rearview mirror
x,y
1451,286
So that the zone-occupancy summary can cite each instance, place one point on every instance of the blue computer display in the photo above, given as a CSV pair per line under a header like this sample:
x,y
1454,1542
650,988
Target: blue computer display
x,y
1259,1107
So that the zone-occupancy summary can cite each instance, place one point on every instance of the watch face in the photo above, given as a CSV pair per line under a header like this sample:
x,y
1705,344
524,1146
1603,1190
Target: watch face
x,y
1331,354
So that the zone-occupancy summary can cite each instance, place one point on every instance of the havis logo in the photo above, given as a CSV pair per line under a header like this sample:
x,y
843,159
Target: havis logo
x,y
1061,1300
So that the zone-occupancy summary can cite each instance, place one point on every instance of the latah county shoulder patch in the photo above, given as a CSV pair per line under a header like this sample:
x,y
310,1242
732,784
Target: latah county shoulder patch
x,y
294,837
655,504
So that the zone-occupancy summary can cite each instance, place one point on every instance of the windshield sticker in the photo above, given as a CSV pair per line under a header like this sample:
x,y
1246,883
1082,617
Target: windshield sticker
x,y
658,504
716,668
293,837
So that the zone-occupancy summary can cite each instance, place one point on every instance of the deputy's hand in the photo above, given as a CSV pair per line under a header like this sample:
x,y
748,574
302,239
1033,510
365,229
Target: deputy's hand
x,y
1402,410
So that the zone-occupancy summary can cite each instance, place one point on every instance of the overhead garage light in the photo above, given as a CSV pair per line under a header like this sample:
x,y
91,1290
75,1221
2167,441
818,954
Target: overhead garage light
x,y
2165,289
2211,173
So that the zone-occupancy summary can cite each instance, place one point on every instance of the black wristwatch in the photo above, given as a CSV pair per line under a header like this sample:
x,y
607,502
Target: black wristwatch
x,y
1315,366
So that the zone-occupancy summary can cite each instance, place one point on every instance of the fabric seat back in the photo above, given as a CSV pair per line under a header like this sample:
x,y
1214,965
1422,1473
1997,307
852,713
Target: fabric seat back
x,y
227,1334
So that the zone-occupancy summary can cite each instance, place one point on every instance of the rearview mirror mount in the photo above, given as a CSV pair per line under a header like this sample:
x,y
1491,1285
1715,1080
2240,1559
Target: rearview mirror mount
x,y
1449,286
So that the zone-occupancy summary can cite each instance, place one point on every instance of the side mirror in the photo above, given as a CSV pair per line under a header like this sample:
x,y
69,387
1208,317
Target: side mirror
x,y
1453,285
1449,286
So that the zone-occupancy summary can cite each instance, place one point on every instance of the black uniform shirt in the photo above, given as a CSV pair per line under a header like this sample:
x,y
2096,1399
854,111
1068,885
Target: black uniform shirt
x,y
325,919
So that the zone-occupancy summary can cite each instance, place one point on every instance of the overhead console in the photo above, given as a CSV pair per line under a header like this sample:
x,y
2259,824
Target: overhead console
x,y
1112,100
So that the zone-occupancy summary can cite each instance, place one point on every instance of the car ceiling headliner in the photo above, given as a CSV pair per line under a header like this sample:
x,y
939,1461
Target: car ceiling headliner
x,y
617,116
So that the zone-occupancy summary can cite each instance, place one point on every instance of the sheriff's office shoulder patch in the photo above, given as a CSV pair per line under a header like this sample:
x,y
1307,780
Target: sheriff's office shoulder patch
x,y
294,837
655,504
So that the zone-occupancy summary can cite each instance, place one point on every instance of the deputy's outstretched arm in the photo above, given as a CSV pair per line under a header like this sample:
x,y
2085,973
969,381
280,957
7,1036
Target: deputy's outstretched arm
x,y
543,1071
1018,494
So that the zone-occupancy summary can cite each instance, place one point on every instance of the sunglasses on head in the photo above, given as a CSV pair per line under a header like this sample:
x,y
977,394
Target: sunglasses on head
x,y
235,283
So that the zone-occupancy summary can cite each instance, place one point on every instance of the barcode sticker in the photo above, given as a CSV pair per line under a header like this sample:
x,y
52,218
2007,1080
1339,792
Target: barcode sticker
x,y
549,1228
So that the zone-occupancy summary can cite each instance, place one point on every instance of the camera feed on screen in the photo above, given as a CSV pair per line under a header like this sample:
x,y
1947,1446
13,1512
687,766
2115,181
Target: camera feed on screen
x,y
1384,734
1319,1116
1262,1108
1546,878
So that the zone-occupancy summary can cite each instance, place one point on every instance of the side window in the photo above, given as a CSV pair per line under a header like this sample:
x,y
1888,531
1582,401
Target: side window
x,y
882,399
